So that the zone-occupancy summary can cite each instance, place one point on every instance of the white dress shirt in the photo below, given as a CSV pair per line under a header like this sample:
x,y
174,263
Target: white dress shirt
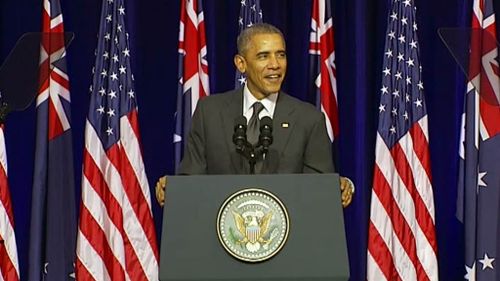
x,y
268,102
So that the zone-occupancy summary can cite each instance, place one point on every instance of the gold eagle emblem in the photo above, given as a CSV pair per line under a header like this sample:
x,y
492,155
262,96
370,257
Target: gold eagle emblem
x,y
253,228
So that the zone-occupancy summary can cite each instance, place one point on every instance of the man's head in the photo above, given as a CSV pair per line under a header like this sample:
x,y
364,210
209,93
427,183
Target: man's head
x,y
262,58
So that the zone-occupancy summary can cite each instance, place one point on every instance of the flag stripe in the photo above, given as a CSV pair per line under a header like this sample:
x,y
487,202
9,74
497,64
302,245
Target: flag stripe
x,y
402,203
5,196
382,256
98,184
114,209
117,194
98,241
86,252
425,234
9,267
136,182
8,252
401,232
404,170
133,210
417,157
420,145
425,224
85,249
109,222
383,228
112,219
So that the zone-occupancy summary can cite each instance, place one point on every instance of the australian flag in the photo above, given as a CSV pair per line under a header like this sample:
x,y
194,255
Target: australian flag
x,y
193,70
53,212
322,68
479,179
250,14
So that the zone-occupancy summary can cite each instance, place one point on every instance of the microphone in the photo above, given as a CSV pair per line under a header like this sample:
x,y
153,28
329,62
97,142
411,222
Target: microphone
x,y
266,133
243,147
240,133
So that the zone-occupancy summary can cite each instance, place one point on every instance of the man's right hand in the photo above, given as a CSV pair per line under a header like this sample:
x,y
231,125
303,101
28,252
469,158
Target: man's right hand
x,y
160,190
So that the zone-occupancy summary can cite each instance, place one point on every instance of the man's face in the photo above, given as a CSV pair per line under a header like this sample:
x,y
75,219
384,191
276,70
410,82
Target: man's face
x,y
264,64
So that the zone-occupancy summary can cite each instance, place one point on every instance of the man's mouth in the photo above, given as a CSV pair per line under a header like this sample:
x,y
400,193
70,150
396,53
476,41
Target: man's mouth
x,y
273,77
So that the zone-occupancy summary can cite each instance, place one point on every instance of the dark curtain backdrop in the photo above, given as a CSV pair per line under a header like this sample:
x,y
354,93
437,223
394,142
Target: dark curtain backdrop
x,y
359,37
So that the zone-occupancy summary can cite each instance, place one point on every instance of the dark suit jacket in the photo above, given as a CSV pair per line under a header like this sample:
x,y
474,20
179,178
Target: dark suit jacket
x,y
301,143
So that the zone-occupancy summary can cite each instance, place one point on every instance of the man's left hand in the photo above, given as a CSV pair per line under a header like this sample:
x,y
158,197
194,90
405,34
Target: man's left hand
x,y
161,184
347,189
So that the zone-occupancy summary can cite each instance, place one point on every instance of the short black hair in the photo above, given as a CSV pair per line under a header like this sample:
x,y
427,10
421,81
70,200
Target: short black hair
x,y
259,28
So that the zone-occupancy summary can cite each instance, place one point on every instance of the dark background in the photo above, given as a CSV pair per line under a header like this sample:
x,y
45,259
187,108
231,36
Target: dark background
x,y
359,36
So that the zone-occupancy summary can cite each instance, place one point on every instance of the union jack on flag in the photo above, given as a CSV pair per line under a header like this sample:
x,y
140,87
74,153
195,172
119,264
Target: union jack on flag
x,y
322,51
116,236
401,234
193,71
250,14
53,208
479,177
9,266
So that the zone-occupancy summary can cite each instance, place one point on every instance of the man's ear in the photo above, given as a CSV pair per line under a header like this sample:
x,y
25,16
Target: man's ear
x,y
240,63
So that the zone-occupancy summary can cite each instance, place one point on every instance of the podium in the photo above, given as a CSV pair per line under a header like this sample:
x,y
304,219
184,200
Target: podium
x,y
315,248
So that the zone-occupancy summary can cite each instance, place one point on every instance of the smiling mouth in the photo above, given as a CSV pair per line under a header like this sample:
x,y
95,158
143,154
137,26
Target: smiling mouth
x,y
273,77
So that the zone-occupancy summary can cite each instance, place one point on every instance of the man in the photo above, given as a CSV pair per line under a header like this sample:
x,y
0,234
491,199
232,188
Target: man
x,y
300,141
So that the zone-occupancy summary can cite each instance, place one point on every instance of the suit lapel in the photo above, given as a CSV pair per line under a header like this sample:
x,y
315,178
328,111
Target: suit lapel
x,y
233,108
284,122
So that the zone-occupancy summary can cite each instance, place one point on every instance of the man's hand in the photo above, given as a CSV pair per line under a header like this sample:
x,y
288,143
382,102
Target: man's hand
x,y
347,189
160,190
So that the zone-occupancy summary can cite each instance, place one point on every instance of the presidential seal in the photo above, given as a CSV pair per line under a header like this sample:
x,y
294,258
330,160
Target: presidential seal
x,y
252,225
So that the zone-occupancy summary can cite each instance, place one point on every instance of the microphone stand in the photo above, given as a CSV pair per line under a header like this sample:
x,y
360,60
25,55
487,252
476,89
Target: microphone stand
x,y
252,161
248,151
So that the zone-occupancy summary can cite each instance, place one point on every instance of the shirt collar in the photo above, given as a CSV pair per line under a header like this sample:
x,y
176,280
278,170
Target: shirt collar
x,y
268,102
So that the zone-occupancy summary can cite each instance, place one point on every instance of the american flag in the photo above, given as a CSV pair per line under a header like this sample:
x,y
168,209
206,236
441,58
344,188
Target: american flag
x,y
9,266
250,14
322,51
401,236
193,70
53,208
116,237
479,178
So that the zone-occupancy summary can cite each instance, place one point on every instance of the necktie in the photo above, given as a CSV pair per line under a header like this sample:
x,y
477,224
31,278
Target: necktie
x,y
253,124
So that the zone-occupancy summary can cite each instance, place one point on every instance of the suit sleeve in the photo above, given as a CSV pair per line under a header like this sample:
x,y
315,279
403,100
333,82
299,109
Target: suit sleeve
x,y
194,161
318,151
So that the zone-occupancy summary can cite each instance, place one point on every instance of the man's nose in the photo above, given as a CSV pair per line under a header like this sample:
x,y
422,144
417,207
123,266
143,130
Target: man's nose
x,y
274,62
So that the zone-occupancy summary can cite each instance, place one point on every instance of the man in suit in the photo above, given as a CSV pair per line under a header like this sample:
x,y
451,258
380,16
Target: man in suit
x,y
300,141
